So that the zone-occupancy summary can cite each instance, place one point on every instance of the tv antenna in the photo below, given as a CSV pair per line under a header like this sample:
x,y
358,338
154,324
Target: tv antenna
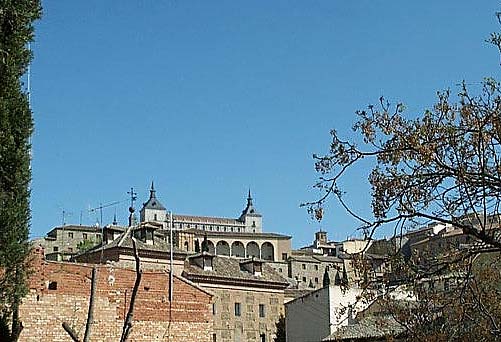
x,y
100,209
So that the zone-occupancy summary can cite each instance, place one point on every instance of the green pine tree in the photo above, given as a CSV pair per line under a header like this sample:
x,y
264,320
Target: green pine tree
x,y
280,326
16,30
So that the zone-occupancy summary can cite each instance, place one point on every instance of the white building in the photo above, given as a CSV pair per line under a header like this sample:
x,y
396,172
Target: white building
x,y
318,314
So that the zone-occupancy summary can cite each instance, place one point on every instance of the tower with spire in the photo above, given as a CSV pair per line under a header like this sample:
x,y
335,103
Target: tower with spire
x,y
152,209
251,218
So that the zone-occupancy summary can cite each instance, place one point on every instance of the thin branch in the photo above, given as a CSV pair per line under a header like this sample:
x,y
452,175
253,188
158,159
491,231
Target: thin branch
x,y
128,320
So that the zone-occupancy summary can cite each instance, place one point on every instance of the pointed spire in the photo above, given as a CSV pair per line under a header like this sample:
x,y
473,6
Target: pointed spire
x,y
249,198
115,219
152,190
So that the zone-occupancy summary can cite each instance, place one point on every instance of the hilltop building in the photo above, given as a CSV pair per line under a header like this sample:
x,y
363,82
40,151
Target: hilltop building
x,y
241,237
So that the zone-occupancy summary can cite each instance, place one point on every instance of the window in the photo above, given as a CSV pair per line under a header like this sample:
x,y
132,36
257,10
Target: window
x,y
70,235
55,248
70,249
304,266
316,267
84,235
253,223
237,309
155,217
214,338
284,256
304,279
316,280
280,270
53,285
262,338
261,310
214,308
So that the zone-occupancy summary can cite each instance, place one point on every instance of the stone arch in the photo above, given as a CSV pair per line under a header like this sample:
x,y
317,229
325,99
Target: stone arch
x,y
252,250
222,248
210,246
238,249
267,251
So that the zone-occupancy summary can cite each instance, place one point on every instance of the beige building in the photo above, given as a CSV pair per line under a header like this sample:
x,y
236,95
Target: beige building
x,y
249,221
61,243
248,296
241,237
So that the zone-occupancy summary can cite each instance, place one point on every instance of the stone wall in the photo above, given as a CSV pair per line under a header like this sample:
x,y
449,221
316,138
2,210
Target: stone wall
x,y
59,292
249,326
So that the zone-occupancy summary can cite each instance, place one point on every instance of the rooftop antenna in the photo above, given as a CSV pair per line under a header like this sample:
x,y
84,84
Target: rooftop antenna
x,y
100,208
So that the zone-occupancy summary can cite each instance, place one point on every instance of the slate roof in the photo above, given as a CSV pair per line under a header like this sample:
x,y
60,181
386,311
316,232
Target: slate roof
x,y
371,327
229,270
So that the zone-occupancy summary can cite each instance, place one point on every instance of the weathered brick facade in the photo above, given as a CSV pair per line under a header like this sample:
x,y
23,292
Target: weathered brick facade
x,y
59,292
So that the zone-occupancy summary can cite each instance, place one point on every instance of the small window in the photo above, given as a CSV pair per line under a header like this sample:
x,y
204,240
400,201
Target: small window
x,y
304,266
253,223
52,285
304,279
84,235
70,235
284,256
280,270
214,339
316,280
155,217
261,310
214,308
262,338
238,311
55,248
70,249
316,267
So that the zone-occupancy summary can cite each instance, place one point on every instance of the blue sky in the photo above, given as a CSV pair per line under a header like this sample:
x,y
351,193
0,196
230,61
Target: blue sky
x,y
209,98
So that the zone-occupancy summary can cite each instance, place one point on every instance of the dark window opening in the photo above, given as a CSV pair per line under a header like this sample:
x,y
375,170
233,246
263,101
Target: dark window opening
x,y
238,311
53,285
261,310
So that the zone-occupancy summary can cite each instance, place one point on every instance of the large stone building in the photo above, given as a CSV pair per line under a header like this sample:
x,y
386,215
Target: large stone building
x,y
250,221
241,237
248,296
61,243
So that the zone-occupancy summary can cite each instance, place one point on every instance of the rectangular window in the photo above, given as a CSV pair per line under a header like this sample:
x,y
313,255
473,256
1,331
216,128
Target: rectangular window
x,y
261,310
70,235
304,279
55,248
304,266
213,308
262,338
284,256
238,312
70,249
214,338
316,267
316,280
84,235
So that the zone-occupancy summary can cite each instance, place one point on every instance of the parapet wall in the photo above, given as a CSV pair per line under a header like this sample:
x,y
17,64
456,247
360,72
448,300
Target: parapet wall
x,y
59,292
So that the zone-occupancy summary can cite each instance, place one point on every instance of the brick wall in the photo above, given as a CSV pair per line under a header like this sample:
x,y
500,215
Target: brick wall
x,y
59,292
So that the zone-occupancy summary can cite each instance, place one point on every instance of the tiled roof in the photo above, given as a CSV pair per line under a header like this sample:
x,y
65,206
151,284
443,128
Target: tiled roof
x,y
371,327
124,240
225,270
